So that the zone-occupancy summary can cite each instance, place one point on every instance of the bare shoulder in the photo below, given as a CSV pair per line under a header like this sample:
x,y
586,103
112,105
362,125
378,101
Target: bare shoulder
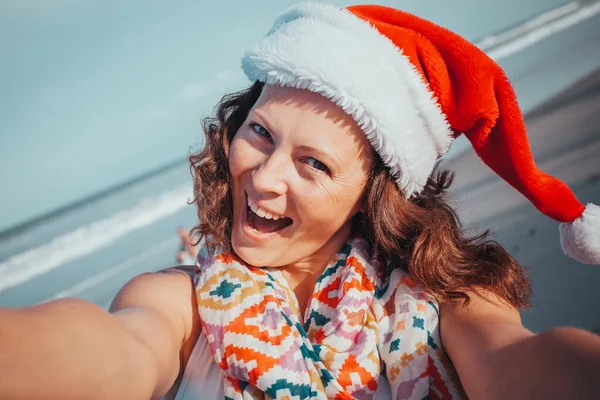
x,y
160,309
482,306
487,322
169,291
474,334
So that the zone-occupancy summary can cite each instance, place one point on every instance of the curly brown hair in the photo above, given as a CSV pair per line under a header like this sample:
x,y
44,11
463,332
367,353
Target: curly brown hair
x,y
422,235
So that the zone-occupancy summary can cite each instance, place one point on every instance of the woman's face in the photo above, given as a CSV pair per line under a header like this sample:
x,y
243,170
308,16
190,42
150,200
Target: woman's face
x,y
298,165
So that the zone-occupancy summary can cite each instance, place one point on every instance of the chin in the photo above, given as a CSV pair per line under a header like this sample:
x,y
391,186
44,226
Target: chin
x,y
249,252
255,256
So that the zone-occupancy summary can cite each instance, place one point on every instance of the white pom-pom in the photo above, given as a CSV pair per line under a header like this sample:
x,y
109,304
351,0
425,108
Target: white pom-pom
x,y
581,238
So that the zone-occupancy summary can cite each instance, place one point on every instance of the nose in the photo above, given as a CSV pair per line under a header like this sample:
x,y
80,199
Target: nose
x,y
271,175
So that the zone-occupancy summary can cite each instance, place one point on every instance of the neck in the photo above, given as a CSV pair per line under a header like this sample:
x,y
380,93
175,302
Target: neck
x,y
302,276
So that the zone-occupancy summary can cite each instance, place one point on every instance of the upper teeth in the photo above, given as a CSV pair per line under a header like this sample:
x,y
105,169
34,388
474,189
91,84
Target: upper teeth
x,y
262,212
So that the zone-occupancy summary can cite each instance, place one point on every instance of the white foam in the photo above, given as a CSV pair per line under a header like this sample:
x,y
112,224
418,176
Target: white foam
x,y
491,41
531,36
115,270
90,238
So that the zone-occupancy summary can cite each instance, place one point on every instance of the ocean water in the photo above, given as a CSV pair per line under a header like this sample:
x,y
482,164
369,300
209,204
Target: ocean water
x,y
116,234
84,108
91,248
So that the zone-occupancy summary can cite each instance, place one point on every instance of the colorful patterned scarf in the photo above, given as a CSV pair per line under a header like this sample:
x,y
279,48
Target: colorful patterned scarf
x,y
359,324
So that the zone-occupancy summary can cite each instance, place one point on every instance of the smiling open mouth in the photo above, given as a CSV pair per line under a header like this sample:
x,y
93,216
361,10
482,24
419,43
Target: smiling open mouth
x,y
267,223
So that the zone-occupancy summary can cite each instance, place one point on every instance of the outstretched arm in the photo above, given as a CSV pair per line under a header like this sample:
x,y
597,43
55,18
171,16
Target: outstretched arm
x,y
72,349
497,358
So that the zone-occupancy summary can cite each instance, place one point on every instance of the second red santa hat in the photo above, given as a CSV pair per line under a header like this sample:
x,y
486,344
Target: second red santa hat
x,y
413,87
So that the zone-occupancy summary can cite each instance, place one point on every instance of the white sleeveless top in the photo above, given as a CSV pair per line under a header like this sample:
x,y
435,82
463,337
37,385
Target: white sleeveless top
x,y
203,378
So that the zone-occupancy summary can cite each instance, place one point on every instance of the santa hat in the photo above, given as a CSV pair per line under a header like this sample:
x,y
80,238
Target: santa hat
x,y
413,87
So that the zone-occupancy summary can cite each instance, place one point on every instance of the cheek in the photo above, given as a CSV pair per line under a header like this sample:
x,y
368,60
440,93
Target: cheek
x,y
242,156
331,207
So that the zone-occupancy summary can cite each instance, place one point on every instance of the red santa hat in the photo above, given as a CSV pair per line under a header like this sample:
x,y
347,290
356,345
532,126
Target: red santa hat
x,y
413,87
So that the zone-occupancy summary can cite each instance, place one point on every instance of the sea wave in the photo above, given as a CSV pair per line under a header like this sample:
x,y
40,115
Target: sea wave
x,y
90,238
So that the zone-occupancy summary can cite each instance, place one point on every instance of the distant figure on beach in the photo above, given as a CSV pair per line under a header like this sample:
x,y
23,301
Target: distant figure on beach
x,y
330,263
188,251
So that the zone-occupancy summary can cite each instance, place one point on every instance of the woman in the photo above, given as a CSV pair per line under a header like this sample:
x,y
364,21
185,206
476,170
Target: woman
x,y
331,263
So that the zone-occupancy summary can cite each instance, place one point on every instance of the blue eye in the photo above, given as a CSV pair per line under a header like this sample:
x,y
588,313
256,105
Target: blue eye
x,y
316,164
261,131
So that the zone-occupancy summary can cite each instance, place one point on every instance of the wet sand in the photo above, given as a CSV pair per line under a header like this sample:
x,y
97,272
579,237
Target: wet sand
x,y
565,139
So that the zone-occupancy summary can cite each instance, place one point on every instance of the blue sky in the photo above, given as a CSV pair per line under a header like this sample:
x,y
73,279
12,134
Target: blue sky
x,y
98,92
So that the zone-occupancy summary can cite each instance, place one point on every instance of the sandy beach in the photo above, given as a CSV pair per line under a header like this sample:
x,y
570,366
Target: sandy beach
x,y
564,134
